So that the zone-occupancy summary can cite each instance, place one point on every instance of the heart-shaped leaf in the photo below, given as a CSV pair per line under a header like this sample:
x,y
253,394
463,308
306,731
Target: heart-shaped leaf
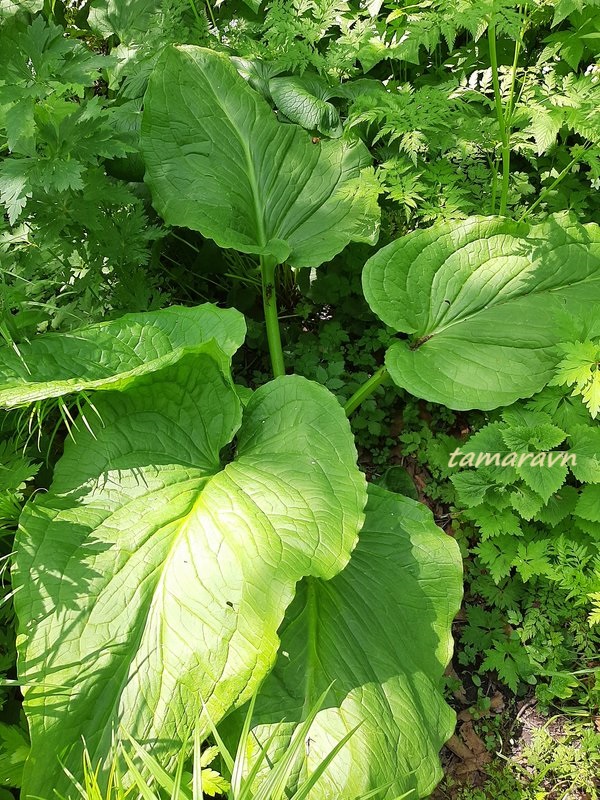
x,y
218,161
151,577
486,301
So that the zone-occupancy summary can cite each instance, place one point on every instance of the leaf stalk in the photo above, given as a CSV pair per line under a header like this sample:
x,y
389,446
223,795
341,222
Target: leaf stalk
x,y
505,116
267,269
504,136
366,390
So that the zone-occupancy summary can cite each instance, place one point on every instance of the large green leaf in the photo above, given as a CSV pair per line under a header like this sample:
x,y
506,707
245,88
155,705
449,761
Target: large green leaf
x,y
110,355
380,631
151,577
305,99
218,161
128,19
485,300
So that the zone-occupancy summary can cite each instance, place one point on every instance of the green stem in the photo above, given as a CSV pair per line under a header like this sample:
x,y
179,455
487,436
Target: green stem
x,y
212,16
548,189
366,390
504,136
267,269
197,15
494,171
513,73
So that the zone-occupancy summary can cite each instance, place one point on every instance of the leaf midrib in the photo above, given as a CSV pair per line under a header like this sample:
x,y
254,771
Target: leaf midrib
x,y
260,221
131,649
254,186
535,292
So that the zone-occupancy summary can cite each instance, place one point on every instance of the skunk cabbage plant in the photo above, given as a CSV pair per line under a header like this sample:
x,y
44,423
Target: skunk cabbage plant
x,y
192,548
485,301
218,161
194,551
153,575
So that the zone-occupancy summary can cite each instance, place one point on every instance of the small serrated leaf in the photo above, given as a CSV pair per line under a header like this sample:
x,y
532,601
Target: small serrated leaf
x,y
532,559
15,185
559,506
526,501
213,783
591,394
588,505
495,522
20,127
585,446
498,555
472,487
542,478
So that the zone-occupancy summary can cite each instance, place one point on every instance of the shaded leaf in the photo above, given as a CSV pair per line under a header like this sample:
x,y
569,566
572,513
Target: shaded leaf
x,y
304,99
380,631
128,19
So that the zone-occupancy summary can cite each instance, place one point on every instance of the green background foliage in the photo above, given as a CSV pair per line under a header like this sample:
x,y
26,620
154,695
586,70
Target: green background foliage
x,y
139,143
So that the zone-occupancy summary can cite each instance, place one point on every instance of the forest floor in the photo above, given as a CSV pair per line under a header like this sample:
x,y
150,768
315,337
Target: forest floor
x,y
514,751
